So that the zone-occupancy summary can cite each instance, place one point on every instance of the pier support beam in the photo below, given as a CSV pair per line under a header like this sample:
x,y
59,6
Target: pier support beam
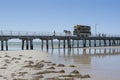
x,y
52,44
94,43
69,43
2,45
6,42
109,42
117,42
42,44
23,44
72,43
77,43
100,43
105,43
64,44
89,43
59,44
84,43
31,44
27,44
113,42
47,45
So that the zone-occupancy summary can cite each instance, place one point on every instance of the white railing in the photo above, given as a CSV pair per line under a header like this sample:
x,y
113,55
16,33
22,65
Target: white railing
x,y
105,35
23,33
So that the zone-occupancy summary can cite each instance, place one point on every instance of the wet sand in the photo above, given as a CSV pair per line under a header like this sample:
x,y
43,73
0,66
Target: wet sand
x,y
36,65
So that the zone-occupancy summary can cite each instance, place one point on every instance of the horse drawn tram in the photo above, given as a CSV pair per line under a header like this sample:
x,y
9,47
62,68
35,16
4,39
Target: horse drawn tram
x,y
82,30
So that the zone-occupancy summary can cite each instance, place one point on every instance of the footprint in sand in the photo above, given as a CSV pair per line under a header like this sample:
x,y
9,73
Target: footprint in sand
x,y
72,66
7,56
60,65
3,68
51,68
75,72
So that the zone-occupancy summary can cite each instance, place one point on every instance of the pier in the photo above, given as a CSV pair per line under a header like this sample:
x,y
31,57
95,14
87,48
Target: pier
x,y
68,40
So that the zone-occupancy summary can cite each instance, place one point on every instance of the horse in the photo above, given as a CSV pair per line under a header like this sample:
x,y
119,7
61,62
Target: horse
x,y
67,33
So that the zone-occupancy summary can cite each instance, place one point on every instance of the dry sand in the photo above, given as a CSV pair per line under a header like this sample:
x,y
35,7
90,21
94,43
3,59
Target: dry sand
x,y
35,65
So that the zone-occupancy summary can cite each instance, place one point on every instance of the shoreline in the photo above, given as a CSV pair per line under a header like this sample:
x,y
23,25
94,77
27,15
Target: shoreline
x,y
28,65
44,48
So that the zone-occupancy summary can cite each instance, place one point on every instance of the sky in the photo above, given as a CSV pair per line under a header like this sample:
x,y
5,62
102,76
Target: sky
x,y
58,15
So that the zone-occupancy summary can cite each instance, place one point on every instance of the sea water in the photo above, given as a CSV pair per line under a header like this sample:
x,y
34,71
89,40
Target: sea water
x,y
100,63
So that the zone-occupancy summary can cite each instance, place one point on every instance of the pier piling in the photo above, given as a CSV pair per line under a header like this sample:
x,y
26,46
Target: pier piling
x,y
105,43
2,45
113,42
100,43
84,43
23,44
47,45
73,44
59,44
69,43
31,44
109,42
89,43
6,42
77,43
117,42
27,44
64,44
94,43
52,44
42,44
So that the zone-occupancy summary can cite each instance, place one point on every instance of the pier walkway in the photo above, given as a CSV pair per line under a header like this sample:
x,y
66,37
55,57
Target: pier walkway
x,y
68,40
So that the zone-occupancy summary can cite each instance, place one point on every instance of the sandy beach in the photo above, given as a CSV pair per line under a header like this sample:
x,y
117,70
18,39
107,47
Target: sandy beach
x,y
36,65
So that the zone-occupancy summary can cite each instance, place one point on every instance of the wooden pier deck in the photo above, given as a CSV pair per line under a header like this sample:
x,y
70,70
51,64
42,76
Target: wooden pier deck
x,y
28,39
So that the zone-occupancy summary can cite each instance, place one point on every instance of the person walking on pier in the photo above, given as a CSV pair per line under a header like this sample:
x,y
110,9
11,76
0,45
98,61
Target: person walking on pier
x,y
54,33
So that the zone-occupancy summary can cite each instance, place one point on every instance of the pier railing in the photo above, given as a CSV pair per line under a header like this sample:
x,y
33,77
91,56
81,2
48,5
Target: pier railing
x,y
30,33
105,35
